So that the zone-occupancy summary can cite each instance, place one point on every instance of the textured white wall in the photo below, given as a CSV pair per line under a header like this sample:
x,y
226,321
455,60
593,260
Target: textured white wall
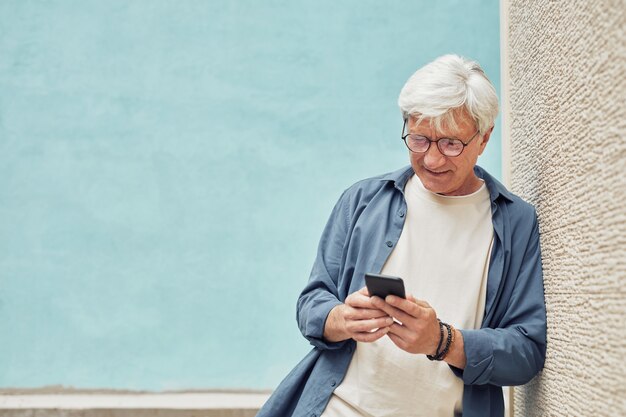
x,y
567,63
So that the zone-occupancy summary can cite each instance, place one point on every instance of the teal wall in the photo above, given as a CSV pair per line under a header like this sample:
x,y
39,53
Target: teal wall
x,y
166,168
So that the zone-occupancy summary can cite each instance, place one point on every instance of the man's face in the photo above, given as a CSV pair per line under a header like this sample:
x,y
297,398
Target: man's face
x,y
444,174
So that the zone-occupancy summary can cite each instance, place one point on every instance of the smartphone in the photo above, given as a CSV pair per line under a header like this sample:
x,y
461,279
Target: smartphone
x,y
384,285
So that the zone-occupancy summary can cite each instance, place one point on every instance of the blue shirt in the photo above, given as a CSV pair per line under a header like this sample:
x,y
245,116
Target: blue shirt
x,y
364,227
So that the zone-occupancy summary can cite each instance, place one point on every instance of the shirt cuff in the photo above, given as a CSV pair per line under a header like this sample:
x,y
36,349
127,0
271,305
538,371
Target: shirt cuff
x,y
316,324
479,358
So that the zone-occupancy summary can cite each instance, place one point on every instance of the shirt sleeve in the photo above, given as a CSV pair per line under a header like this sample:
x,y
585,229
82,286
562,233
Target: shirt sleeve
x,y
320,294
513,353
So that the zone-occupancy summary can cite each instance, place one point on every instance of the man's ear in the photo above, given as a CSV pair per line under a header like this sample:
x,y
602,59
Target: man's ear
x,y
484,140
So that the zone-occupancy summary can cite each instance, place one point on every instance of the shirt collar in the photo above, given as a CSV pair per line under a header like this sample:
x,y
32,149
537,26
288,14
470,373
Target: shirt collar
x,y
495,188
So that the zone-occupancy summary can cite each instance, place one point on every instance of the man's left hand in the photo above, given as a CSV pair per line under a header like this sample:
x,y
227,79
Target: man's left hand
x,y
418,330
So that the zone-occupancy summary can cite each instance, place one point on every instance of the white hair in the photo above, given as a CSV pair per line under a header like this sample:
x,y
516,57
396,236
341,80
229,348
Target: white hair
x,y
447,84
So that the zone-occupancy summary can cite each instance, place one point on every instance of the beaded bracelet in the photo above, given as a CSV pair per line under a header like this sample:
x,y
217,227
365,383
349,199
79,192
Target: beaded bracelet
x,y
445,350
440,338
433,357
440,355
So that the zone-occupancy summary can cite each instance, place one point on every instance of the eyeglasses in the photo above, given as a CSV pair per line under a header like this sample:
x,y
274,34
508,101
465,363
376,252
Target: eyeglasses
x,y
421,144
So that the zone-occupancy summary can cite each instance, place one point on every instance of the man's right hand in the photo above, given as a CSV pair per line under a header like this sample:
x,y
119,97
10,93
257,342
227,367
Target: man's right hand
x,y
357,319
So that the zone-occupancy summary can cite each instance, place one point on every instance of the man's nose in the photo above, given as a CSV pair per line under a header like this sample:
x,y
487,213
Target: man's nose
x,y
433,158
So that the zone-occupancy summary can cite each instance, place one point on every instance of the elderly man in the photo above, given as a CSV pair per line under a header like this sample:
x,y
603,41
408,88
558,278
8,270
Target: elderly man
x,y
466,247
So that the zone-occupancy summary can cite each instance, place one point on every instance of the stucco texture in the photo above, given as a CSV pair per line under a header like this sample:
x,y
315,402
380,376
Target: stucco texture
x,y
567,63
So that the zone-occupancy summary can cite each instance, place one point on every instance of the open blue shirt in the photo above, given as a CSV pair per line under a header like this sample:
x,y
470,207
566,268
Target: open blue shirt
x,y
364,227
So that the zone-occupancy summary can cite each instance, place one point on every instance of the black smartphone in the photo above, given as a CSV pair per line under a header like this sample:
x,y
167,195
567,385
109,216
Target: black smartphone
x,y
384,285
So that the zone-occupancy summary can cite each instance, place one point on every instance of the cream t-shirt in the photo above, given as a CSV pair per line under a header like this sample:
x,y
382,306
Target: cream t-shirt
x,y
443,257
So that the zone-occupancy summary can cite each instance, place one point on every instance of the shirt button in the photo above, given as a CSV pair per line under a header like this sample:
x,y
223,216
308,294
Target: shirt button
x,y
401,214
332,384
389,243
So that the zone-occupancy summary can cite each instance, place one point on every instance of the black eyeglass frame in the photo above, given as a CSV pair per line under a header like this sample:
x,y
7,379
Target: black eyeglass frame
x,y
430,141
